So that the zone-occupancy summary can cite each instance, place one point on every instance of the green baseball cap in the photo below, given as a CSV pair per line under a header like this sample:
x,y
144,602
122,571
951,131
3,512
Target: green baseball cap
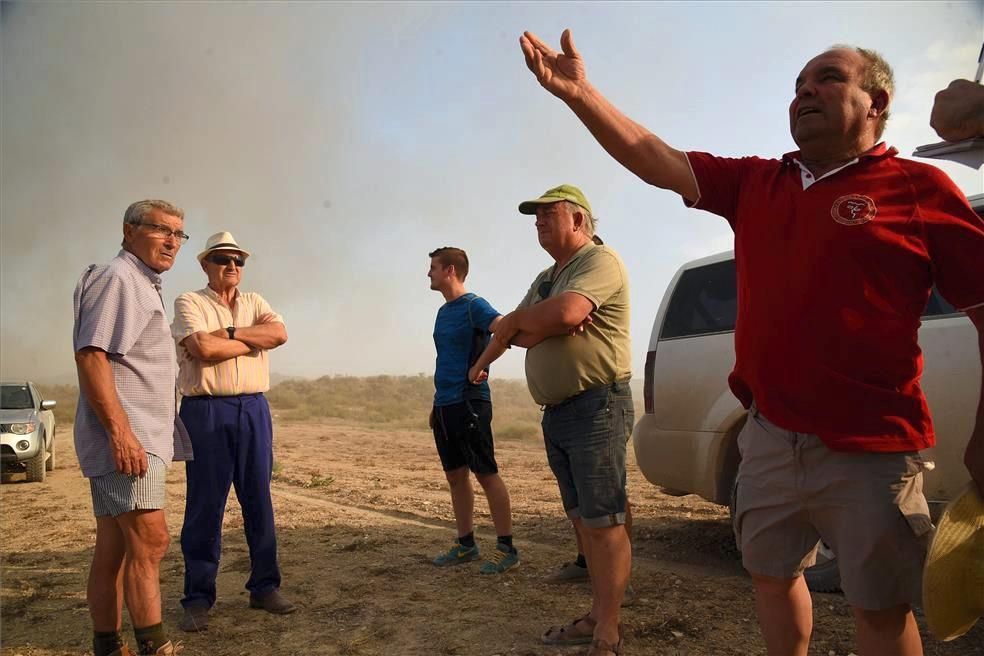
x,y
563,192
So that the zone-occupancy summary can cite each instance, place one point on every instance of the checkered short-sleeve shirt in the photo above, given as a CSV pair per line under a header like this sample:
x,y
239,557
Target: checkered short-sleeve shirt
x,y
119,310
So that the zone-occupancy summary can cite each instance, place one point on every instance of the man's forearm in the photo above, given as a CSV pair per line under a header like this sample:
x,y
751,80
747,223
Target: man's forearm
x,y
215,347
527,340
633,146
492,352
99,387
554,316
264,336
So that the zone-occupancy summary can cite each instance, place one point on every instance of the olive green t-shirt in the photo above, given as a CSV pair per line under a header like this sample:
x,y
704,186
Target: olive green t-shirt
x,y
560,367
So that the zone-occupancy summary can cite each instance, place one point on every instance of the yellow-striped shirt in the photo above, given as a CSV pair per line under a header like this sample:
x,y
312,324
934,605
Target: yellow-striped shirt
x,y
203,311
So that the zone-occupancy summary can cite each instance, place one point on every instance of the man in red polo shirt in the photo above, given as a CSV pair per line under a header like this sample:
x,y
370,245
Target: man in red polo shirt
x,y
837,248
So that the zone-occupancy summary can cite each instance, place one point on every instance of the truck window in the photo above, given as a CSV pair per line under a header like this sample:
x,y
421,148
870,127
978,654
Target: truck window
x,y
705,301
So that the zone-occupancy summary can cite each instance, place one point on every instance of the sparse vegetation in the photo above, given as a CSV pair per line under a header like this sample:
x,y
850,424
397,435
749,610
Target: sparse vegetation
x,y
384,402
396,402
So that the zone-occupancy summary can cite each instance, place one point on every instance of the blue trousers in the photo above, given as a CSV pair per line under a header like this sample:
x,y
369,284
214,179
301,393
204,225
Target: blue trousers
x,y
232,437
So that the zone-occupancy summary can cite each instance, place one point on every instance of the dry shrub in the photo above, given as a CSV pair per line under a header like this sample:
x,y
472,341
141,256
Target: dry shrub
x,y
396,402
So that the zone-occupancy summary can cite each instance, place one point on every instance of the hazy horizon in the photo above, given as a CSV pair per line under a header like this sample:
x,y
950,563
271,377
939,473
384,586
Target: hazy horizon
x,y
341,143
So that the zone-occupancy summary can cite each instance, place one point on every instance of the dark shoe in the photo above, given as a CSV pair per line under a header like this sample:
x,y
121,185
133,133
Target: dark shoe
x,y
272,602
195,619
629,596
569,573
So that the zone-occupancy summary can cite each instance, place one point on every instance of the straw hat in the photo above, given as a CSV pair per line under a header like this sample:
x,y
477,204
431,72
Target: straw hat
x,y
953,577
221,241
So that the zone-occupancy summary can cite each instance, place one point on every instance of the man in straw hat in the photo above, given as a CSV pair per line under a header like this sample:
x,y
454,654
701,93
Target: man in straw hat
x,y
224,337
574,323
837,247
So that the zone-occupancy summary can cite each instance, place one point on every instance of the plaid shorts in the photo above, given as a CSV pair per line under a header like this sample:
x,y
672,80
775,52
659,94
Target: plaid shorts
x,y
116,493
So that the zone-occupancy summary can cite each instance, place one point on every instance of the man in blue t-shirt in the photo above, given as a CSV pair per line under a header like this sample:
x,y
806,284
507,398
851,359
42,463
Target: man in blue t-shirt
x,y
462,414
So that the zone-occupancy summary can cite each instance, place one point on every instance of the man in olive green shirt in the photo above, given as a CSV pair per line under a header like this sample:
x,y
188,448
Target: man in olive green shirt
x,y
574,321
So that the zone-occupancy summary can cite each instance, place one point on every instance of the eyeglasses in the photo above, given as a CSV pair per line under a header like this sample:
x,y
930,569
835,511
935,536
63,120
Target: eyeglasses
x,y
164,232
223,260
544,289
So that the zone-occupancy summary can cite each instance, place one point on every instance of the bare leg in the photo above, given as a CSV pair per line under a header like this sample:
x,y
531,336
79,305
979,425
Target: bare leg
x,y
146,538
462,499
105,589
498,498
609,555
628,529
891,631
785,614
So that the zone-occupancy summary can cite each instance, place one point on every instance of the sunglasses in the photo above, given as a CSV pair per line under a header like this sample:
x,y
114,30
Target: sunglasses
x,y
223,260
544,289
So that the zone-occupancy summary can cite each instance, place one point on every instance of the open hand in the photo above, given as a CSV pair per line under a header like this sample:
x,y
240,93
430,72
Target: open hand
x,y
562,74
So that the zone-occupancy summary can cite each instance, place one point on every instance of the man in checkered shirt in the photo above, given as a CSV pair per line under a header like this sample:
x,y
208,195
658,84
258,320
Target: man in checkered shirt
x,y
126,431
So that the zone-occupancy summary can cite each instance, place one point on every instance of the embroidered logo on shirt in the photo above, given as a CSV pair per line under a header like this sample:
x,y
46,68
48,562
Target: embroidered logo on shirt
x,y
853,209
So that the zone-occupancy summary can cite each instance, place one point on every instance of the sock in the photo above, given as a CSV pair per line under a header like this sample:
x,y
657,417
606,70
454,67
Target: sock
x,y
507,541
105,643
581,562
467,541
150,638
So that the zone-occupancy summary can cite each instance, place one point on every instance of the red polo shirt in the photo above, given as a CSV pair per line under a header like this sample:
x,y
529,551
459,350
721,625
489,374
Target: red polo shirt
x,y
832,281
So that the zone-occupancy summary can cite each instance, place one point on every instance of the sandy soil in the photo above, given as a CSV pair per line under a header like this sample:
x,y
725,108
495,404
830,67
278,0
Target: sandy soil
x,y
359,514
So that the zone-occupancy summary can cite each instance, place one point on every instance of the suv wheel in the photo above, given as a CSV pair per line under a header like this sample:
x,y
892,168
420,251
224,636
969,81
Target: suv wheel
x,y
36,466
50,464
824,576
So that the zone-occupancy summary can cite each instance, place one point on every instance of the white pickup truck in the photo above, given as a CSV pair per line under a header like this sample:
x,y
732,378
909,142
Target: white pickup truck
x,y
686,441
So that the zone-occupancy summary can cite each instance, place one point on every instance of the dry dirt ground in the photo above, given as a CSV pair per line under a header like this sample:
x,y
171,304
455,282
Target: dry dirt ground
x,y
359,514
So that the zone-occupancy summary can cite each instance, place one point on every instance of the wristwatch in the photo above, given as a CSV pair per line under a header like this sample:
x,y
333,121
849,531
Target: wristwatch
x,y
232,332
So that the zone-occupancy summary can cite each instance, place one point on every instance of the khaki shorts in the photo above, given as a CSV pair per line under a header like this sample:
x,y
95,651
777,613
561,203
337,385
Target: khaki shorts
x,y
868,508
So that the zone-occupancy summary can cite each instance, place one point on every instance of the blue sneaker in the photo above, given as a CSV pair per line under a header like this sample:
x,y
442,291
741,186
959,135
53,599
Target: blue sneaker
x,y
457,555
500,560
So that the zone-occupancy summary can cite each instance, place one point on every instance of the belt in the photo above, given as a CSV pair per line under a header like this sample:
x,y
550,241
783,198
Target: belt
x,y
570,399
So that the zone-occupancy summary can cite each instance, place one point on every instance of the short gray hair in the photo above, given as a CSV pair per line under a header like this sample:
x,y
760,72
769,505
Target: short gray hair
x,y
589,221
877,76
139,211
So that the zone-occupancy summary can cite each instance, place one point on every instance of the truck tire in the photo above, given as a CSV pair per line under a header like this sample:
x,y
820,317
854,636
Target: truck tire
x,y
825,575
49,465
822,577
36,467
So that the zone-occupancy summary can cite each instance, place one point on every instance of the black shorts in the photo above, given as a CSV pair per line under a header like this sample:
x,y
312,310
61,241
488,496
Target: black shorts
x,y
463,435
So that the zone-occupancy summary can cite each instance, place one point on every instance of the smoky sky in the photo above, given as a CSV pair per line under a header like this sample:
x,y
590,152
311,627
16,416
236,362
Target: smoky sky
x,y
340,143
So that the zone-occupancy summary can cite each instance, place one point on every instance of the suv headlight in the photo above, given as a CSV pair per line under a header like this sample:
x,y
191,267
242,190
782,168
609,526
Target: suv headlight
x,y
23,429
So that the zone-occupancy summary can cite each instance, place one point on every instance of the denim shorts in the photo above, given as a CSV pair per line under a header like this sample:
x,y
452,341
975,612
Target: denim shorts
x,y
585,437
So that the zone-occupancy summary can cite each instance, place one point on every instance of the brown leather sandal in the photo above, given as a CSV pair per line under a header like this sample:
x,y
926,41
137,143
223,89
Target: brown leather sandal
x,y
570,634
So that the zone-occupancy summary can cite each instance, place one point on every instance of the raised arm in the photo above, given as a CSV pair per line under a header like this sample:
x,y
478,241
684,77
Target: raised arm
x,y
635,147
974,455
96,381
